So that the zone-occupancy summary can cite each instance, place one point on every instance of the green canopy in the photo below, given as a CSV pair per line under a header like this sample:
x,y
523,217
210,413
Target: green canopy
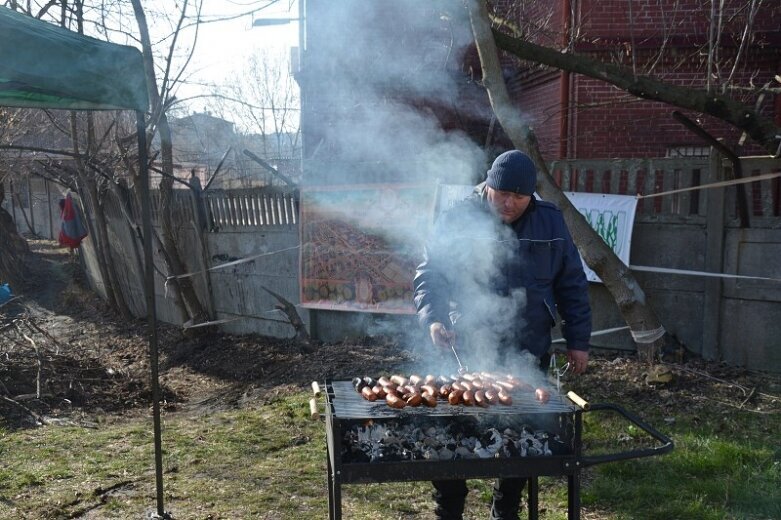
x,y
45,66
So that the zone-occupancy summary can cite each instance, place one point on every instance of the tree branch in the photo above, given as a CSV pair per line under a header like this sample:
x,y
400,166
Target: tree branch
x,y
760,129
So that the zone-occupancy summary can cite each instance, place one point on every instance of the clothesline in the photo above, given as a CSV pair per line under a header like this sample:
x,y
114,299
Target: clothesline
x,y
732,182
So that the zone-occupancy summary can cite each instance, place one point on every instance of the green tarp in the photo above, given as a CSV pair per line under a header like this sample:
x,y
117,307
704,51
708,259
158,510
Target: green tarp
x,y
46,66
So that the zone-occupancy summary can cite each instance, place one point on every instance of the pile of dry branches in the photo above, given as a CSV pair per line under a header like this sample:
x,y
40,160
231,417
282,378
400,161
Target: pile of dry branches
x,y
39,374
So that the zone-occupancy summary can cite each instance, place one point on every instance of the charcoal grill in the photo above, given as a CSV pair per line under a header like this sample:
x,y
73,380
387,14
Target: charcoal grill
x,y
345,409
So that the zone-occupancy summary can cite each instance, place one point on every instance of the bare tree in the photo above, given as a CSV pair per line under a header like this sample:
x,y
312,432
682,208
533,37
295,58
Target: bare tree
x,y
266,103
159,102
101,160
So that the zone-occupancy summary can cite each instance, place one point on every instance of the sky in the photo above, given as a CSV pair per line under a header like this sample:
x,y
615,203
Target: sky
x,y
223,48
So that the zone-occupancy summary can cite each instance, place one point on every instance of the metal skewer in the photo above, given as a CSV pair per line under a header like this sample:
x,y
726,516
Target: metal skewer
x,y
461,368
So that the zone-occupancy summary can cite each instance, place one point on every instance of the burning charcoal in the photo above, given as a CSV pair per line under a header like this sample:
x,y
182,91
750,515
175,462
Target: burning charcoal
x,y
495,441
430,442
464,453
469,443
481,452
430,454
446,454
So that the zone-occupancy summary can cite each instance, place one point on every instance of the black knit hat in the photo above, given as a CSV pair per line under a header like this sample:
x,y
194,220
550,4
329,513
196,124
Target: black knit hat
x,y
513,171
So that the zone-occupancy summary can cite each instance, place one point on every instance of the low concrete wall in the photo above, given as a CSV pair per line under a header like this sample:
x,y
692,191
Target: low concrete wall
x,y
239,291
234,293
731,319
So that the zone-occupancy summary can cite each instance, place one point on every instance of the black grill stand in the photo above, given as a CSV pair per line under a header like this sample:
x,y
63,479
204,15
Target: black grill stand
x,y
527,467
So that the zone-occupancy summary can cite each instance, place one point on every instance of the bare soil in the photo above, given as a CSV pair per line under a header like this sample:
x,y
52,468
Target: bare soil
x,y
90,363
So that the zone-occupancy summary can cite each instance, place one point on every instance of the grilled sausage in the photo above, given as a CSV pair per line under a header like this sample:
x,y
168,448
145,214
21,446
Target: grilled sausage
x,y
454,397
478,384
430,389
384,381
430,379
395,401
480,399
367,394
409,389
468,386
458,386
415,379
512,379
505,398
413,399
391,390
492,396
399,380
358,383
379,390
505,386
429,400
444,380
370,381
542,395
469,398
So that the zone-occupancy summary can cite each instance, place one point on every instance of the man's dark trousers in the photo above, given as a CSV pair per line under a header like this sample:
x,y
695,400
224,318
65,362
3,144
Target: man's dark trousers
x,y
450,495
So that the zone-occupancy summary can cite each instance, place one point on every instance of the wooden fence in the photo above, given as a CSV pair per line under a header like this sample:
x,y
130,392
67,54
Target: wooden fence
x,y
240,208
251,207
648,176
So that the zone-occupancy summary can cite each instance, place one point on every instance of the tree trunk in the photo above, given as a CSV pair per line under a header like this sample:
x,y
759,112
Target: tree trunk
x,y
186,292
615,275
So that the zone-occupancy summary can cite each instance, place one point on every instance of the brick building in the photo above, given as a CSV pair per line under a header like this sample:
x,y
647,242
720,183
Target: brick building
x,y
401,54
578,117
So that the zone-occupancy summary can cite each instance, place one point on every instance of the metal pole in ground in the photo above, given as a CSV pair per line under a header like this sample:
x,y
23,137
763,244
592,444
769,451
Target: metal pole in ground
x,y
149,290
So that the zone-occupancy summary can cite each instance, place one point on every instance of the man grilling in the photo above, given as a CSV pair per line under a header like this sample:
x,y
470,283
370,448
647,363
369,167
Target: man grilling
x,y
497,267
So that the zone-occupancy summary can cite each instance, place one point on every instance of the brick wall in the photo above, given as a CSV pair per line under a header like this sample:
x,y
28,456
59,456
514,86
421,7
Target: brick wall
x,y
687,17
607,122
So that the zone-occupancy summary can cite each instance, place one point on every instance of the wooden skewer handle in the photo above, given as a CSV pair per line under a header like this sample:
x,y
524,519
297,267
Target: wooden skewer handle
x,y
575,398
313,413
316,388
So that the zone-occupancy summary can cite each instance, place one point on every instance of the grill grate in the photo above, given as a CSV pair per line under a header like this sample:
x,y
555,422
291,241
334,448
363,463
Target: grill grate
x,y
349,404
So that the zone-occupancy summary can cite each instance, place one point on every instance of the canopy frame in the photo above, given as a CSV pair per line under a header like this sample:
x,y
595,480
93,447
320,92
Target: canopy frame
x,y
54,68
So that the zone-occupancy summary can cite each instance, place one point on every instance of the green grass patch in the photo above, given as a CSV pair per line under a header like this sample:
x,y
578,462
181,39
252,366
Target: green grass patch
x,y
269,462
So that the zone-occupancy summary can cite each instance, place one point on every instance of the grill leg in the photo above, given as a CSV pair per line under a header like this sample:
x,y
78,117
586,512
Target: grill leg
x,y
334,495
573,496
533,499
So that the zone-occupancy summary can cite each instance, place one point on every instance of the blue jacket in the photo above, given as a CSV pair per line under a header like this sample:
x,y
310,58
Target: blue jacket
x,y
503,283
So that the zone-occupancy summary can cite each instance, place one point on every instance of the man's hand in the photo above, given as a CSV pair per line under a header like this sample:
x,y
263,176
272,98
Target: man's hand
x,y
440,336
578,360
